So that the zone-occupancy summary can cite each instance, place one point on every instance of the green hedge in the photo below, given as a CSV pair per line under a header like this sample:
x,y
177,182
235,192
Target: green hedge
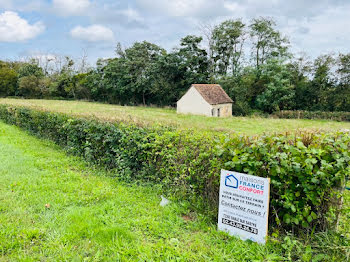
x,y
297,114
307,171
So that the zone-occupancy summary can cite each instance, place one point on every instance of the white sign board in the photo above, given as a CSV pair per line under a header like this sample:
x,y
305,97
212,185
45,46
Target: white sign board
x,y
244,205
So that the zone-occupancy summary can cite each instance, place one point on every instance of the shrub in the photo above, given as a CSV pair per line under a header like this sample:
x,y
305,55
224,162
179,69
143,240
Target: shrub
x,y
297,114
307,170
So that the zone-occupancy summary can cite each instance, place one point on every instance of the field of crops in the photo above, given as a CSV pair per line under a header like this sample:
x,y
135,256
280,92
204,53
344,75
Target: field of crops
x,y
151,116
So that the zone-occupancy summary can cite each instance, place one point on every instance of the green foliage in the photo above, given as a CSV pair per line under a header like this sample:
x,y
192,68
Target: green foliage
x,y
303,170
79,88
269,79
277,89
299,70
227,47
62,86
28,86
239,88
93,217
193,60
139,61
30,69
307,171
298,114
8,80
268,43
31,81
323,84
342,93
63,83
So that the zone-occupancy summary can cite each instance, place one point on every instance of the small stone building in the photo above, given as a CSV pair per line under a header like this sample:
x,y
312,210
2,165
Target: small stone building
x,y
205,99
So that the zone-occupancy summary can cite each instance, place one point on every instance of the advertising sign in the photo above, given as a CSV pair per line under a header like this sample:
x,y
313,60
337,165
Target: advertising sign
x,y
244,205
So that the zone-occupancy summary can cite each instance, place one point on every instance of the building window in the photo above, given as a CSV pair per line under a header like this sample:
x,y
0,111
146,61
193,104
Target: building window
x,y
218,111
212,112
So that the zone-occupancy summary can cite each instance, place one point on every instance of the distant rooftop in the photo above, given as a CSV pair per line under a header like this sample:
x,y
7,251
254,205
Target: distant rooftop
x,y
213,93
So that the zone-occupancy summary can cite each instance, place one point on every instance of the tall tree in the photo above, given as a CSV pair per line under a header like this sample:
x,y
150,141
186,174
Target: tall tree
x,y
30,69
227,46
28,86
323,83
62,84
139,59
342,94
169,78
176,71
193,59
117,82
29,77
278,91
207,30
95,82
267,42
8,79
300,69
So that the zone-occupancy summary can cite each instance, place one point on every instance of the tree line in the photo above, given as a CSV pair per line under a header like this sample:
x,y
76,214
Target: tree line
x,y
253,62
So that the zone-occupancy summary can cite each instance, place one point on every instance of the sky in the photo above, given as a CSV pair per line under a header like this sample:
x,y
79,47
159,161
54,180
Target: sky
x,y
30,28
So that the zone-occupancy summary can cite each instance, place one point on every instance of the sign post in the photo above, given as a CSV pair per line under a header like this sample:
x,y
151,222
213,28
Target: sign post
x,y
244,205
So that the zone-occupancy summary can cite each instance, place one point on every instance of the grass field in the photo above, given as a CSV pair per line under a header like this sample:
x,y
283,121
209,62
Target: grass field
x,y
150,116
55,208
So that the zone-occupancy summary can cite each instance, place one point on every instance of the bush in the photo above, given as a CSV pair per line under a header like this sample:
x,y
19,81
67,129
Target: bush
x,y
307,171
297,114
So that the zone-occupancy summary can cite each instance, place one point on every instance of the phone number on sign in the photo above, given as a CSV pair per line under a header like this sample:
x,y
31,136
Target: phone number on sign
x,y
240,226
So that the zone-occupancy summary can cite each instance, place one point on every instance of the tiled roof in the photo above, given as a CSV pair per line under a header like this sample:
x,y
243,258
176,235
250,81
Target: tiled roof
x,y
213,93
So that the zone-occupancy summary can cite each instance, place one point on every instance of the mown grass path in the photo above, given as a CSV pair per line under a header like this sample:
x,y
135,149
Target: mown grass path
x,y
55,208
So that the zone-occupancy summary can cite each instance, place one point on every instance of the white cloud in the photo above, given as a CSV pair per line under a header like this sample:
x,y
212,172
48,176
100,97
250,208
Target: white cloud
x,y
6,4
13,28
131,14
322,33
71,7
185,8
232,6
126,17
93,33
